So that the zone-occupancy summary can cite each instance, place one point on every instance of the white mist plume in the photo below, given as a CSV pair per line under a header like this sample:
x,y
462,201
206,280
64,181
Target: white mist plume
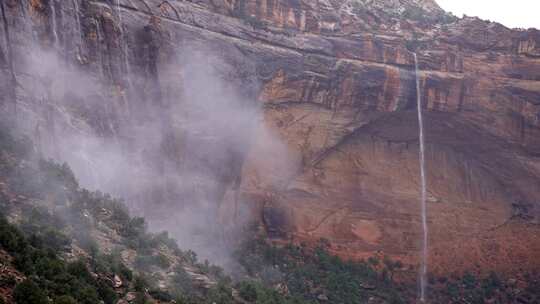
x,y
174,168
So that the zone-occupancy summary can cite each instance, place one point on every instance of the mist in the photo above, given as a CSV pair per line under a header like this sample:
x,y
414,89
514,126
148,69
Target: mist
x,y
171,145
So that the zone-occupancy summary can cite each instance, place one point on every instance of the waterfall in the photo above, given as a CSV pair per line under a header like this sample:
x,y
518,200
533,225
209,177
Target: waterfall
x,y
27,23
12,91
54,25
90,167
124,46
99,37
423,264
78,21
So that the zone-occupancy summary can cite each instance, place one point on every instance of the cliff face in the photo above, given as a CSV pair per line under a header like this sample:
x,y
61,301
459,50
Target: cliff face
x,y
336,82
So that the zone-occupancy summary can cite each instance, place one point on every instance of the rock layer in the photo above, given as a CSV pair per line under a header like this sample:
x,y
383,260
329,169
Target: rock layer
x,y
336,81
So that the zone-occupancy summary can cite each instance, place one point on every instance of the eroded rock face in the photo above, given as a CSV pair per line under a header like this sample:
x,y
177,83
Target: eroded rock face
x,y
336,82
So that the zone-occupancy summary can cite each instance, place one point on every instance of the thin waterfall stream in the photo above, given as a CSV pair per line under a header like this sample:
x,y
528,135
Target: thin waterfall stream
x,y
423,258
54,25
78,28
99,33
124,46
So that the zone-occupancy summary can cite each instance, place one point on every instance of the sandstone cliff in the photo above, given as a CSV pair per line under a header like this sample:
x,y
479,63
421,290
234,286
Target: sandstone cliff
x,y
335,80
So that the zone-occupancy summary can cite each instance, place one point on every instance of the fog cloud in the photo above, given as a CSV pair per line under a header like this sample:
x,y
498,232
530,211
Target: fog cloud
x,y
172,161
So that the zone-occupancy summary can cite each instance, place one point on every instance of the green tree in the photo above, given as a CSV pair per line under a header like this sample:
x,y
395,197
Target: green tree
x,y
248,291
65,300
28,292
221,294
469,280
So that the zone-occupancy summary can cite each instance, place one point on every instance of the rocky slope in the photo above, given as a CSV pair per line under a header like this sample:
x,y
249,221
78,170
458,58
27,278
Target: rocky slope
x,y
335,80
78,246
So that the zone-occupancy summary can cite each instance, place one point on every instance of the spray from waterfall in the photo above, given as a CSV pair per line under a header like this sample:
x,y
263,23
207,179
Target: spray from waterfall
x,y
124,46
423,263
91,170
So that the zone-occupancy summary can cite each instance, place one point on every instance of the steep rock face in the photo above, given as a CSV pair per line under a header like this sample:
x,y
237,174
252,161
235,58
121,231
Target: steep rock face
x,y
336,81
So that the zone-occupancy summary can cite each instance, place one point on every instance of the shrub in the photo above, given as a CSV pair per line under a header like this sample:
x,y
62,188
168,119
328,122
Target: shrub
x,y
182,280
7,281
28,292
164,239
55,239
87,295
58,175
221,294
160,295
452,290
248,291
491,284
303,270
144,262
416,14
106,293
469,280
124,272
140,284
162,261
78,269
65,300
134,227
271,275
141,298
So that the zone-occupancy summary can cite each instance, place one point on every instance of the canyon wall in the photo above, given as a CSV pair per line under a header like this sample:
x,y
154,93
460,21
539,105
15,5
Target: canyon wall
x,y
335,82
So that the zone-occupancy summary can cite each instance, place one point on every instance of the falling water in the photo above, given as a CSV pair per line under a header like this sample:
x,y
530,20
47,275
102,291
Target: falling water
x,y
114,133
54,24
123,47
78,20
92,172
99,35
27,23
423,270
